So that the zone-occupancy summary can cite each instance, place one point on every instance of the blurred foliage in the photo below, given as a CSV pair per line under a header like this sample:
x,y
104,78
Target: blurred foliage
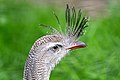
x,y
19,29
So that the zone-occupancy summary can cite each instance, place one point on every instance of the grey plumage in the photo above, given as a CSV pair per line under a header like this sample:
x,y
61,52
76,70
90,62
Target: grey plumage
x,y
36,58
48,50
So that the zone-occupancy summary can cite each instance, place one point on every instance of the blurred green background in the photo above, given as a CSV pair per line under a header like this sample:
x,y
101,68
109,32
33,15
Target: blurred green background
x,y
19,29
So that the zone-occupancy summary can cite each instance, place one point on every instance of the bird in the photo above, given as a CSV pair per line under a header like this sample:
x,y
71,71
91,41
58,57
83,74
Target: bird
x,y
48,50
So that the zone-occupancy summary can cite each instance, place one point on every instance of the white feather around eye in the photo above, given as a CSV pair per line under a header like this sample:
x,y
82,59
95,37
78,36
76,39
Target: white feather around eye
x,y
51,44
54,47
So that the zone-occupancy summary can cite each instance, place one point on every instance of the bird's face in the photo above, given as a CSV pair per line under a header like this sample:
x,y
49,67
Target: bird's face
x,y
54,51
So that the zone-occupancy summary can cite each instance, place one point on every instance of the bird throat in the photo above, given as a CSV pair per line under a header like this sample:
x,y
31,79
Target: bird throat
x,y
36,67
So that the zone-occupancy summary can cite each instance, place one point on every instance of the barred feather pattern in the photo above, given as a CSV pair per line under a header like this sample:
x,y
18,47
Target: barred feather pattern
x,y
45,39
36,60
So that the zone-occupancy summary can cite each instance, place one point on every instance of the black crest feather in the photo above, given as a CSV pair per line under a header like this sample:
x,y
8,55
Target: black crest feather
x,y
75,25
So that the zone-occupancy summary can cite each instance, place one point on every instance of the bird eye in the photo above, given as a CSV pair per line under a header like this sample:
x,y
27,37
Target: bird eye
x,y
56,48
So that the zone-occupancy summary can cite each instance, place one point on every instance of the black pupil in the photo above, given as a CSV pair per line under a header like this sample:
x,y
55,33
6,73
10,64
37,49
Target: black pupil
x,y
55,47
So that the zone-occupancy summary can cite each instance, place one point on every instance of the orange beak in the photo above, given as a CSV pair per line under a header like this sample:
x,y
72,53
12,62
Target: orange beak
x,y
76,45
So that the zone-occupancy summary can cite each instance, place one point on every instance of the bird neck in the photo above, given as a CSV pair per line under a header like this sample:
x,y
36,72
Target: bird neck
x,y
36,67
42,70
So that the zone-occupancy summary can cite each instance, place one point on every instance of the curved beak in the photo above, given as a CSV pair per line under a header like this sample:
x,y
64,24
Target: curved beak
x,y
77,45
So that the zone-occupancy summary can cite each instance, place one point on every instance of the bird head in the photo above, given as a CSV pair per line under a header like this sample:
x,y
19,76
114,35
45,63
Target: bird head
x,y
51,48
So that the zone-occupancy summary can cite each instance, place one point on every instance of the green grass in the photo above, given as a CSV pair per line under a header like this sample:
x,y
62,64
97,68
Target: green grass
x,y
19,29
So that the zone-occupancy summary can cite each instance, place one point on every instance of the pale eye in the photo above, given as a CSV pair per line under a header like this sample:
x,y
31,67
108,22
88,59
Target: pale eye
x,y
56,48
